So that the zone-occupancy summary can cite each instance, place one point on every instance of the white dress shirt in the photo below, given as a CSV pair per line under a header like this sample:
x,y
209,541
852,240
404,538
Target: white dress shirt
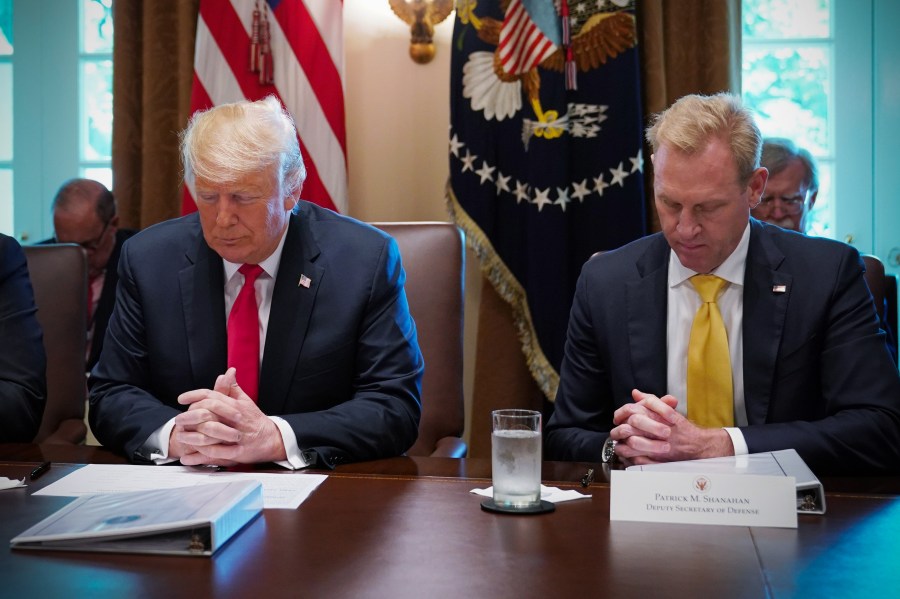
x,y
265,288
683,303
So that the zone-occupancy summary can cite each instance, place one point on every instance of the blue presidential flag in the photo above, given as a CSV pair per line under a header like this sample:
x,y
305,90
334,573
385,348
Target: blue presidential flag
x,y
546,156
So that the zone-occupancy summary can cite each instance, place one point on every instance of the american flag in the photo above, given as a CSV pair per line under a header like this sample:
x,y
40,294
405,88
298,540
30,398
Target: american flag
x,y
301,63
525,38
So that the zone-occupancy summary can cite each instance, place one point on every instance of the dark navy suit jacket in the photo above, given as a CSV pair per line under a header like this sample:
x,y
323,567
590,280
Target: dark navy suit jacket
x,y
23,365
817,373
341,362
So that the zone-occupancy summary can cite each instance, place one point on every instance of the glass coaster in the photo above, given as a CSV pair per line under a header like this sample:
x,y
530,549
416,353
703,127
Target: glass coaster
x,y
545,507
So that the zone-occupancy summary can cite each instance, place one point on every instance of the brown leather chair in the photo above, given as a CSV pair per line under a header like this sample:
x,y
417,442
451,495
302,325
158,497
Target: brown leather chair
x,y
875,279
883,286
59,278
433,257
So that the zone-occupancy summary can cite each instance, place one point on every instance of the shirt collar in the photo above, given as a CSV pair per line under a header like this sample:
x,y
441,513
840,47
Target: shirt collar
x,y
732,269
269,265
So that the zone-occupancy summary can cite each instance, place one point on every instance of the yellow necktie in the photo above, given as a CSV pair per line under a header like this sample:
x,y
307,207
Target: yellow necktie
x,y
709,393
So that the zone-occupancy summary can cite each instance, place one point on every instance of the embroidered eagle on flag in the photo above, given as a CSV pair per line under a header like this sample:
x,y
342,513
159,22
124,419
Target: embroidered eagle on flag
x,y
535,34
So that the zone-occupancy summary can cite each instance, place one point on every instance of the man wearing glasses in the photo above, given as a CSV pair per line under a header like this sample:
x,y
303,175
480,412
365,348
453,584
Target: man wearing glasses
x,y
84,212
792,187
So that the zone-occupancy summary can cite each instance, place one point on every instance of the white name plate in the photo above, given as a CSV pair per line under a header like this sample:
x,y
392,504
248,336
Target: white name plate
x,y
686,498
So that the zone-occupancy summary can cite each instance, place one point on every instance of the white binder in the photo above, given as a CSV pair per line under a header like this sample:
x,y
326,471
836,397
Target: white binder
x,y
195,520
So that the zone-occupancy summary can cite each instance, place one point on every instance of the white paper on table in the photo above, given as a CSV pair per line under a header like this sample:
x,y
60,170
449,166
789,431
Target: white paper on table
x,y
551,494
280,491
11,483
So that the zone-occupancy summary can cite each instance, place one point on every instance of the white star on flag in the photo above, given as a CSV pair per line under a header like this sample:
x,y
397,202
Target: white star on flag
x,y
455,145
618,175
468,161
486,172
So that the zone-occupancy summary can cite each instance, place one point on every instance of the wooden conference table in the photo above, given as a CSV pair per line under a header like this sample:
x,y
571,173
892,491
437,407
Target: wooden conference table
x,y
409,527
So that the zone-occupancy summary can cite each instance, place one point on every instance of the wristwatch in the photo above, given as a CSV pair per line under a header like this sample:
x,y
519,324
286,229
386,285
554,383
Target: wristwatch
x,y
608,454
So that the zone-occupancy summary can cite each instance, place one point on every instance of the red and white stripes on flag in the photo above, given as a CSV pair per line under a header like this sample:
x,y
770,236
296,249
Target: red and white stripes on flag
x,y
522,44
306,45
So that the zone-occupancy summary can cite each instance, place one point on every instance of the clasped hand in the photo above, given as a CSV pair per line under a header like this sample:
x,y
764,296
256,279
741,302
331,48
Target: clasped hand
x,y
650,430
223,426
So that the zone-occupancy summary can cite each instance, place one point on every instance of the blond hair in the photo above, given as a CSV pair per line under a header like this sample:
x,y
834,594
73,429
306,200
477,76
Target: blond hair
x,y
692,121
229,141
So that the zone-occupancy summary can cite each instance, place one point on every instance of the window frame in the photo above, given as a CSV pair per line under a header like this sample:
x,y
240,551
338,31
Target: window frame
x,y
47,108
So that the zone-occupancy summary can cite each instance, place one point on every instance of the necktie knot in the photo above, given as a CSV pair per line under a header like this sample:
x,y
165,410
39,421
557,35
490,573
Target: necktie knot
x,y
708,286
251,272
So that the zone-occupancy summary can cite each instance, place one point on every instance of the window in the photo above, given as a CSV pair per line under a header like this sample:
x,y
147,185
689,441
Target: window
x,y
96,91
788,79
825,72
55,105
6,116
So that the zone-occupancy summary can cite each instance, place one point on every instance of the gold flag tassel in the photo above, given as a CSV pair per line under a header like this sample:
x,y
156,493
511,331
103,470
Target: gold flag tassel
x,y
254,41
570,69
266,71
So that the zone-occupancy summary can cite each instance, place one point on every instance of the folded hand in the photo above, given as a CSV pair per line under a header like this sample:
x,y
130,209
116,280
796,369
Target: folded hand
x,y
223,426
651,430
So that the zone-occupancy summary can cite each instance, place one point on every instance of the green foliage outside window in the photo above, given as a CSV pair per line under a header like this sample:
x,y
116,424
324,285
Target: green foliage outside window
x,y
787,78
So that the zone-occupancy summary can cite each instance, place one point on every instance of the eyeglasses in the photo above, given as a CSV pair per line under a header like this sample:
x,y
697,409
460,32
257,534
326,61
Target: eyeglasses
x,y
792,205
92,244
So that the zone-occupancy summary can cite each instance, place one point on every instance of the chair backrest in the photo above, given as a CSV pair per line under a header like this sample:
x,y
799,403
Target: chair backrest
x,y
59,277
884,293
433,257
875,280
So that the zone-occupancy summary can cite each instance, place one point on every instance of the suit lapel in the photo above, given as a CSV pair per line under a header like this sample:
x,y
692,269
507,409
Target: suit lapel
x,y
647,319
767,292
202,285
292,305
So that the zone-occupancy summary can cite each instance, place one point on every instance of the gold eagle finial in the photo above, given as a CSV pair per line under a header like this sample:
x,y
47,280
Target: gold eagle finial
x,y
422,16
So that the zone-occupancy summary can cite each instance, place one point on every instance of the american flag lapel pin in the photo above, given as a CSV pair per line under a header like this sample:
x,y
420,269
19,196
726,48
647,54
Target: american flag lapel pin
x,y
304,281
779,288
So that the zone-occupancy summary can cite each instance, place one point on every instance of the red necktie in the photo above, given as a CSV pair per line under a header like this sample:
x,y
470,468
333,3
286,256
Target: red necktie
x,y
90,302
243,333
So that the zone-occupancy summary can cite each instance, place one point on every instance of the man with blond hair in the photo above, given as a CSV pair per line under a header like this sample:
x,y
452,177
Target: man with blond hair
x,y
722,335
791,192
326,370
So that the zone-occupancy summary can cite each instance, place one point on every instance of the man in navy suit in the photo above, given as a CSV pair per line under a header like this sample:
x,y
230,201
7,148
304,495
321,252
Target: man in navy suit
x,y
84,212
23,388
340,368
810,369
791,191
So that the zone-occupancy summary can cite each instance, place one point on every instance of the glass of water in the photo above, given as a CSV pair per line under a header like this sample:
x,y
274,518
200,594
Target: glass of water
x,y
516,458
